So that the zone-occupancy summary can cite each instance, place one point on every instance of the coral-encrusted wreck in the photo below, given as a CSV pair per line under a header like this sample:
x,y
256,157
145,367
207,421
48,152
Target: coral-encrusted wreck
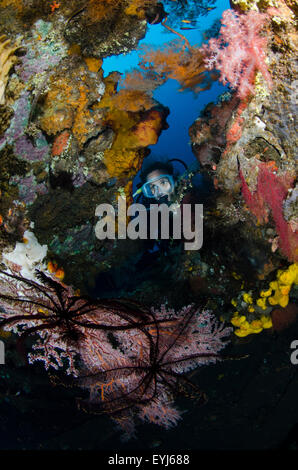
x,y
72,139
247,142
69,139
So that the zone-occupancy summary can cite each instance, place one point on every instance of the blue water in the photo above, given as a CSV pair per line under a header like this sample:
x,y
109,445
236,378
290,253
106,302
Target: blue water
x,y
184,106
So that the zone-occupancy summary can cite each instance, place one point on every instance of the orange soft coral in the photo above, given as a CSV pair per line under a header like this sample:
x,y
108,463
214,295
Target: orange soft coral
x,y
174,61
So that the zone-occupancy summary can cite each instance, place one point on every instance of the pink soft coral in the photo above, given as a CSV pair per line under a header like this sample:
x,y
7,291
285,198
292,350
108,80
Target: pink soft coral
x,y
239,51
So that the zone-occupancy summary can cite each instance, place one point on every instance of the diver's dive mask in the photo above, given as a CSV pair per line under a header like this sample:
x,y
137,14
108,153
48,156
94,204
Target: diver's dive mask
x,y
157,187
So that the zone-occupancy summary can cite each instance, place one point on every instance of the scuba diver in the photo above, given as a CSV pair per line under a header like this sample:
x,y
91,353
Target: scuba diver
x,y
162,184
158,183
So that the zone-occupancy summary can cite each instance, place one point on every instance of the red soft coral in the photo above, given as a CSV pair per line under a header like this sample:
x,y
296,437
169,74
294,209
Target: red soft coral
x,y
239,51
270,194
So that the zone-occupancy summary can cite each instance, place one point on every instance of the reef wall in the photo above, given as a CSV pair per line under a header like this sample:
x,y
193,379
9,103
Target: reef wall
x,y
71,140
68,139
247,145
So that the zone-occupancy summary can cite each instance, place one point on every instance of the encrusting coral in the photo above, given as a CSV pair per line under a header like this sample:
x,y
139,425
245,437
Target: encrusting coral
x,y
63,128
137,121
253,314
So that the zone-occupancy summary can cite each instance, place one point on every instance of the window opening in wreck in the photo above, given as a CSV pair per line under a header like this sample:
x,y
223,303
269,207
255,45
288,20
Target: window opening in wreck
x,y
174,142
186,106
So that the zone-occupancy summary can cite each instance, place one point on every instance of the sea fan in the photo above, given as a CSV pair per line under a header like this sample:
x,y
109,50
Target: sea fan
x,y
151,372
131,359
62,320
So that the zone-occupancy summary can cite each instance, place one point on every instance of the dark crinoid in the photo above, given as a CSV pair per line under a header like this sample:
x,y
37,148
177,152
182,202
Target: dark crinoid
x,y
130,358
64,322
152,370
